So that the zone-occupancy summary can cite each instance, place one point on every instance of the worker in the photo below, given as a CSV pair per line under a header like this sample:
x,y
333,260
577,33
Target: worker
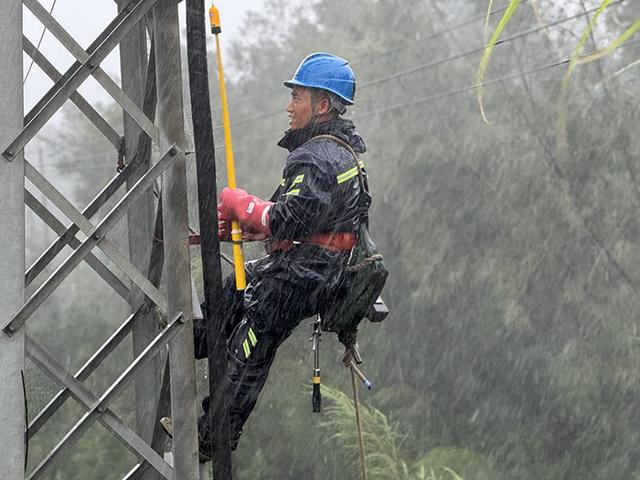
x,y
309,227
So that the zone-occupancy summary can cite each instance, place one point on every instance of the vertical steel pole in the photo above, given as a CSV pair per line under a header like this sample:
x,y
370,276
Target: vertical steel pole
x,y
176,236
12,264
210,246
133,62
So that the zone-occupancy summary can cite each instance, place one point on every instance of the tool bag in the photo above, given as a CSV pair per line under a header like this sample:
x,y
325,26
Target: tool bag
x,y
360,287
364,275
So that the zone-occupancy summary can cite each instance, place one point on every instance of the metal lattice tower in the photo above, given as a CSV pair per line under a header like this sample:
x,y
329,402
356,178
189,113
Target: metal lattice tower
x,y
137,22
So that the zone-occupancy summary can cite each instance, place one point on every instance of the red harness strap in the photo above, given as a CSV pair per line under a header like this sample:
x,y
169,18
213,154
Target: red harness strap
x,y
337,242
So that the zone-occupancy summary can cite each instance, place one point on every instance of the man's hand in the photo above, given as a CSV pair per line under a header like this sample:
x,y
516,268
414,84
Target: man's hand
x,y
251,212
224,231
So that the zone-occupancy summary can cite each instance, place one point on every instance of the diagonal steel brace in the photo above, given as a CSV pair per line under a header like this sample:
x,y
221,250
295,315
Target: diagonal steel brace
x,y
95,263
68,235
91,113
96,235
99,407
85,371
76,75
87,228
86,399
81,55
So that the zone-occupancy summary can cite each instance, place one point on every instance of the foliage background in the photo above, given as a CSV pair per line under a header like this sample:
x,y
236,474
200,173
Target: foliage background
x,y
512,346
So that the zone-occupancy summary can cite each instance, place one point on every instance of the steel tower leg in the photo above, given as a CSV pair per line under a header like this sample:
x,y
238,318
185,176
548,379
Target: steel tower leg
x,y
133,61
12,264
176,231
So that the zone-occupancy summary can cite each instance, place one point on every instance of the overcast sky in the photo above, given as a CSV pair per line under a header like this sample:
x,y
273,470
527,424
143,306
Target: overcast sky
x,y
84,20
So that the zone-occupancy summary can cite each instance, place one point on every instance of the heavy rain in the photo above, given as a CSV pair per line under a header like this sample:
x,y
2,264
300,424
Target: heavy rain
x,y
481,152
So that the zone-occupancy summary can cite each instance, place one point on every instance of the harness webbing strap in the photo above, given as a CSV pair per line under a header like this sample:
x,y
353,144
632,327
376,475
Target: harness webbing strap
x,y
365,198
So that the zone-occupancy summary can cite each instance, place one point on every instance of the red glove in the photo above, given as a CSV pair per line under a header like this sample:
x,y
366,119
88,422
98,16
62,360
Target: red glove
x,y
224,227
224,231
251,212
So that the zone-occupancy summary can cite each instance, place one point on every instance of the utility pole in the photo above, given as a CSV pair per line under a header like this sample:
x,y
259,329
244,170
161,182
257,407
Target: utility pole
x,y
12,263
176,238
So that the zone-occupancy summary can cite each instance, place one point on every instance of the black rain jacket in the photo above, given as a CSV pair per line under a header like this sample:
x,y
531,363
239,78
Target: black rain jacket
x,y
319,193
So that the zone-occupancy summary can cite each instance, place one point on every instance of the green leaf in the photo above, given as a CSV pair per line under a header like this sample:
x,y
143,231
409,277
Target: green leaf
x,y
603,52
457,464
561,124
486,21
482,67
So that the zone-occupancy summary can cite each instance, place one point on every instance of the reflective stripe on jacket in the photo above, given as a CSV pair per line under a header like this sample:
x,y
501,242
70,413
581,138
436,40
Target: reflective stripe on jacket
x,y
319,194
320,189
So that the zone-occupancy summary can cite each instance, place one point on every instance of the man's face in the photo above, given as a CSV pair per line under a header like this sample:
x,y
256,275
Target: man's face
x,y
299,108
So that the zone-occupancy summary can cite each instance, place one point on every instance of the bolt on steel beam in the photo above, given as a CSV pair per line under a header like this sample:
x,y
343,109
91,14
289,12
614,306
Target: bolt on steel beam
x,y
96,235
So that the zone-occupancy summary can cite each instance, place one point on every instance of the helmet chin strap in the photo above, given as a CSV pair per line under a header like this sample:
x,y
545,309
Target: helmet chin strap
x,y
315,117
313,120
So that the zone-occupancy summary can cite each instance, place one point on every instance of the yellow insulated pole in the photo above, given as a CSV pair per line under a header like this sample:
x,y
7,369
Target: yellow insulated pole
x,y
236,233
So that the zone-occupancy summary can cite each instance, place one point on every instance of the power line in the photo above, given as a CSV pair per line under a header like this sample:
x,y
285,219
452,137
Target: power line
x,y
526,33
242,121
442,61
44,29
450,93
457,91
438,33
402,46
439,96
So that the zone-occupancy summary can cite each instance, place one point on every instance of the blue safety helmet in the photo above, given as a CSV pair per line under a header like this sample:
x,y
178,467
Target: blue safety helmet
x,y
328,72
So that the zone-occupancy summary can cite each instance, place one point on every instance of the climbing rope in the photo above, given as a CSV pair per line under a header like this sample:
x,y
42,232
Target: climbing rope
x,y
364,263
356,403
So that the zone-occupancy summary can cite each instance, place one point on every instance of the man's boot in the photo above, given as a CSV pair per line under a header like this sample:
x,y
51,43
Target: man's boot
x,y
204,443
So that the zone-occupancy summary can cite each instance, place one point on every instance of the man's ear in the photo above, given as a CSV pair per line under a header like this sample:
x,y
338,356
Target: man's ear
x,y
323,106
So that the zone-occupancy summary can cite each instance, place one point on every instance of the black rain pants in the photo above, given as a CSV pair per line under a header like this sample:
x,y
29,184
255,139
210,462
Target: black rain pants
x,y
256,324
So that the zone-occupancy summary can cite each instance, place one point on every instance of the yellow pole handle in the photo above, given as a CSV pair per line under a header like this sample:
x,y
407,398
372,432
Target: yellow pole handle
x,y
236,232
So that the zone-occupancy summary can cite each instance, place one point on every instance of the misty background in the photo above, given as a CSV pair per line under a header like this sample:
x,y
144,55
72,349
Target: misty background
x,y
512,350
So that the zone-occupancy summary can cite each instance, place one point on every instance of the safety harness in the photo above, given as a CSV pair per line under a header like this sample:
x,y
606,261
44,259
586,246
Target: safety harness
x,y
335,241
357,297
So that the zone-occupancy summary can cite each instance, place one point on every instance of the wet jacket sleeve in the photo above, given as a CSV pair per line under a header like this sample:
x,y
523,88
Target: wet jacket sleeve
x,y
304,202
